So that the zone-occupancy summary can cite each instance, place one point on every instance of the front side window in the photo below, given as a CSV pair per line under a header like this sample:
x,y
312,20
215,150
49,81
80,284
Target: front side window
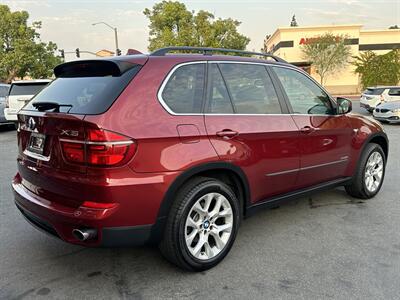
x,y
183,92
304,95
250,88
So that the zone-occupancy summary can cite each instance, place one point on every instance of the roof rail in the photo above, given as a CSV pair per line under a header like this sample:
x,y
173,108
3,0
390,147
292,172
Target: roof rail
x,y
209,51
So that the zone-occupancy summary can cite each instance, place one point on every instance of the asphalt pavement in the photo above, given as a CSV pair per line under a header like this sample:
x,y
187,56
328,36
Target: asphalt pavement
x,y
328,246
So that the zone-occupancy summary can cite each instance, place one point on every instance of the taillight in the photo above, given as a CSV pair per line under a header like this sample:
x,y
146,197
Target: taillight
x,y
7,102
101,148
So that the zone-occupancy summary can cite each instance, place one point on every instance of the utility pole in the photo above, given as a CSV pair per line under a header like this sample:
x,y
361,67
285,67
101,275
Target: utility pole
x,y
117,50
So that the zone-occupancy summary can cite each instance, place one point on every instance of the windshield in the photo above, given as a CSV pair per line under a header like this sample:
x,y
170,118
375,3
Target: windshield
x,y
373,91
26,89
84,95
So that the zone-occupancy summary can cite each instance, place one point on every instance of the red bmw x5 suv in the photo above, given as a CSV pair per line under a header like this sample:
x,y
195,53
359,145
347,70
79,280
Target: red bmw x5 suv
x,y
175,149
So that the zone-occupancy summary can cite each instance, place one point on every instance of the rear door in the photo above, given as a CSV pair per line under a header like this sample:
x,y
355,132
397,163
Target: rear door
x,y
325,142
249,126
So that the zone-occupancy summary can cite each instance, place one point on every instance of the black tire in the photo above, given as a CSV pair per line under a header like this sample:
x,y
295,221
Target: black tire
x,y
358,188
173,245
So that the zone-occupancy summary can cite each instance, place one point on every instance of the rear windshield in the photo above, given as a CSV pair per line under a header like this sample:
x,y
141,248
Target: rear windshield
x,y
84,95
3,90
26,89
373,91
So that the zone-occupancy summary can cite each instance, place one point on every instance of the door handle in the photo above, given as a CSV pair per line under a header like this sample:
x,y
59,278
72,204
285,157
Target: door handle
x,y
227,133
307,129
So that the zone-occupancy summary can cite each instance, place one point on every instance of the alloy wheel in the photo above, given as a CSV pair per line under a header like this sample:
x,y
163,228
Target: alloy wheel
x,y
208,226
373,172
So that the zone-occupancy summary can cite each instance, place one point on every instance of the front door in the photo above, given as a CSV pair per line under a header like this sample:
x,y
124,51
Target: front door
x,y
325,142
249,127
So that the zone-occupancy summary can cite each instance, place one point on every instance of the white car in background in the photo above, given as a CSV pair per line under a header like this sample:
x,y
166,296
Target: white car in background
x,y
19,94
373,96
388,112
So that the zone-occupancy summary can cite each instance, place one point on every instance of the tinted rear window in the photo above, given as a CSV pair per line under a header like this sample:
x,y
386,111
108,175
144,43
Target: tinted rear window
x,y
394,92
3,90
85,95
26,89
373,91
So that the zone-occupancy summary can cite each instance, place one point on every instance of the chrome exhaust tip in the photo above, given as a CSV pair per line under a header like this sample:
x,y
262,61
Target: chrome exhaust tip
x,y
84,234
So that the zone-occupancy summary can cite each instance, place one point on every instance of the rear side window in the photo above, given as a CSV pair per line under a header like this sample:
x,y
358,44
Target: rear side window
x,y
183,92
85,93
26,89
373,91
394,92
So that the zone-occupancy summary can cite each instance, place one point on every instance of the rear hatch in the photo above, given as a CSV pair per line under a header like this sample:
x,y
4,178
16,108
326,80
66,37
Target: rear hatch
x,y
371,93
56,145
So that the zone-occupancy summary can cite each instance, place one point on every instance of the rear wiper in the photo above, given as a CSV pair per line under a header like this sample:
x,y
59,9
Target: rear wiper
x,y
43,106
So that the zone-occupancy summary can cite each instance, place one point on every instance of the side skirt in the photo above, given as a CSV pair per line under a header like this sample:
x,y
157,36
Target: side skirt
x,y
280,199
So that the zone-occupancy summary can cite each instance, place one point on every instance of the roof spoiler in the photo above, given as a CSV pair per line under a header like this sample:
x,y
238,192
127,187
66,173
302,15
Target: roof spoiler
x,y
92,68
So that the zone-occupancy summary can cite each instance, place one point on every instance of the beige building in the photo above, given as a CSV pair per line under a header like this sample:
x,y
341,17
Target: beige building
x,y
286,43
104,53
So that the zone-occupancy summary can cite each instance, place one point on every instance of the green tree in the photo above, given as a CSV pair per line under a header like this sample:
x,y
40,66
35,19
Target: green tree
x,y
327,53
378,69
171,24
22,53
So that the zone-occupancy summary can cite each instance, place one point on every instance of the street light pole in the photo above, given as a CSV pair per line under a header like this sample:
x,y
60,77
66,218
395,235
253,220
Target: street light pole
x,y
115,35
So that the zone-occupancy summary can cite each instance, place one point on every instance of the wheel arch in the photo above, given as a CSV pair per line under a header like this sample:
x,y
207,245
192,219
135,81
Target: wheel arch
x,y
379,138
223,171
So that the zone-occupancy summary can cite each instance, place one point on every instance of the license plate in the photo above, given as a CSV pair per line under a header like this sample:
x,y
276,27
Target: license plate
x,y
36,142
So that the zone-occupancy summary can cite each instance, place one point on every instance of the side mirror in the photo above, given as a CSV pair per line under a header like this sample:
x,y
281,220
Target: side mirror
x,y
344,106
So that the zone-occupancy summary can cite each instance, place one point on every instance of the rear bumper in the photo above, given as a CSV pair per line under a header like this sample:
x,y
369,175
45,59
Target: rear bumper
x,y
59,221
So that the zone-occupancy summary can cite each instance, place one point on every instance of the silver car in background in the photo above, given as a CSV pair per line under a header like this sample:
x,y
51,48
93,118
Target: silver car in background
x,y
4,88
388,112
374,96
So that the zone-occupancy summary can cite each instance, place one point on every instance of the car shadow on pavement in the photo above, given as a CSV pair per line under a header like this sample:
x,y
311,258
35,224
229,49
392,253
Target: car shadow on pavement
x,y
4,128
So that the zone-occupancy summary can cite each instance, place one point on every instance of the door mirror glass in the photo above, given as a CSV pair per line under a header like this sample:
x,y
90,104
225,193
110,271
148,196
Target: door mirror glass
x,y
344,106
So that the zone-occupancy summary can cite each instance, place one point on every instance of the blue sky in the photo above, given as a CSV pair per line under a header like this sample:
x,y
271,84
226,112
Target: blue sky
x,y
68,23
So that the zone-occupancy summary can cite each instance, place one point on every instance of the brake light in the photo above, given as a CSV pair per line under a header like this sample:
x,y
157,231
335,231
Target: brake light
x,y
7,102
74,152
100,148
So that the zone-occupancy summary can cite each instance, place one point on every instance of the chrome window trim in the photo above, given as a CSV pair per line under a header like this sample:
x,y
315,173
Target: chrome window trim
x,y
166,79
